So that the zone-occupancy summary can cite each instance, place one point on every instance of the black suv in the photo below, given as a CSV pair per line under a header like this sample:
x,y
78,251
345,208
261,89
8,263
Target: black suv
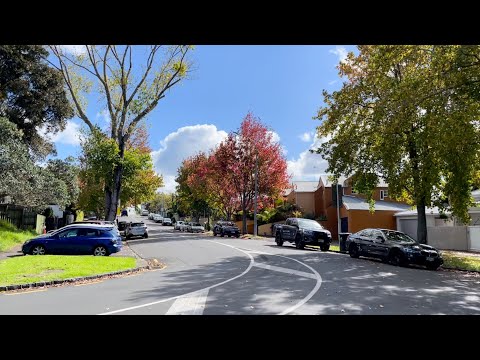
x,y
303,232
228,228
394,247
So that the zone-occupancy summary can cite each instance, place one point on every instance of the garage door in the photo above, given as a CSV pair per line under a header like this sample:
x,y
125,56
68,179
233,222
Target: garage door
x,y
409,227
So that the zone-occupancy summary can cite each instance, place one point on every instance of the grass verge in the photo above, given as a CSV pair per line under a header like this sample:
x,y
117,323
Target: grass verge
x,y
460,262
30,269
10,236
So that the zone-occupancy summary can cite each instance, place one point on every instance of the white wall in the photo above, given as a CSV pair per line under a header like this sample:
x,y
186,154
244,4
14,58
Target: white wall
x,y
448,237
474,238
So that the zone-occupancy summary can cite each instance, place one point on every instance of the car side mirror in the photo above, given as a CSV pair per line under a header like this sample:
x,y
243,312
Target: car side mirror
x,y
381,239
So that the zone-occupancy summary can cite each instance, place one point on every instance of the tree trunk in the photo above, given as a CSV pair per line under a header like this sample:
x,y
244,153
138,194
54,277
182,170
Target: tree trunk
x,y
112,194
244,217
422,222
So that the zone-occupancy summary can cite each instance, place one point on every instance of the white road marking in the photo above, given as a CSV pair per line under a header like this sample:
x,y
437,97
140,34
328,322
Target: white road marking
x,y
178,296
306,298
315,275
193,304
310,294
285,270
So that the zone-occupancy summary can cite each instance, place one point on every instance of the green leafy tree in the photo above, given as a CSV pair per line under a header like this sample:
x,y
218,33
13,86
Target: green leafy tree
x,y
407,114
130,91
26,183
100,157
32,95
68,171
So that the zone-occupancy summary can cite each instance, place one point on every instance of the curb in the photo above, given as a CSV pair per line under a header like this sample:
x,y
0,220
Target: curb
x,y
70,280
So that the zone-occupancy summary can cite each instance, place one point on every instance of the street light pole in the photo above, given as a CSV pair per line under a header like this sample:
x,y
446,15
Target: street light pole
x,y
256,200
338,215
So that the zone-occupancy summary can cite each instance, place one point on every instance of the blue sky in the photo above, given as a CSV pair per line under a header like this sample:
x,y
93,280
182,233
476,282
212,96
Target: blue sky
x,y
280,84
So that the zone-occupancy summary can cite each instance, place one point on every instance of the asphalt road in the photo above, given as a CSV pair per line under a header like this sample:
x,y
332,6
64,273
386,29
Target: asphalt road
x,y
212,275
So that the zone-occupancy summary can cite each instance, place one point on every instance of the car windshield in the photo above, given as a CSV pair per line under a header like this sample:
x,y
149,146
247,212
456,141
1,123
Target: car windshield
x,y
167,219
309,224
196,224
137,224
398,236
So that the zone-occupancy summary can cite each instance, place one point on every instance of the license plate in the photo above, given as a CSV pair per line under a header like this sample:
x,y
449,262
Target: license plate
x,y
430,259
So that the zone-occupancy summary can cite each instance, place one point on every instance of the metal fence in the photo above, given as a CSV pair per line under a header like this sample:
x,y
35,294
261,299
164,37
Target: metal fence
x,y
20,216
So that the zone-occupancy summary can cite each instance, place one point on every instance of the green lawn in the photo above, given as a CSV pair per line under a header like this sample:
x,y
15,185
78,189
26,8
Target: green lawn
x,y
30,269
11,236
455,261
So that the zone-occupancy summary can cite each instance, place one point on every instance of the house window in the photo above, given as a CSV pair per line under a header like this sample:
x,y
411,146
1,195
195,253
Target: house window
x,y
383,194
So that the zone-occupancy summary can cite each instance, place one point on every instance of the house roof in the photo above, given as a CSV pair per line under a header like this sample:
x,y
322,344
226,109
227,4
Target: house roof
x,y
428,211
342,180
305,186
356,203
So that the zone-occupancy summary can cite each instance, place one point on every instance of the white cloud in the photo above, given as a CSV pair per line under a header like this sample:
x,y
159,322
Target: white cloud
x,y
306,137
105,116
308,166
75,49
181,144
276,139
332,82
70,135
341,52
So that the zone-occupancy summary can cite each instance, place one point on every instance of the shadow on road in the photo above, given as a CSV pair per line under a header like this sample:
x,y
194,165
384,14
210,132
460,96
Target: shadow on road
x,y
349,286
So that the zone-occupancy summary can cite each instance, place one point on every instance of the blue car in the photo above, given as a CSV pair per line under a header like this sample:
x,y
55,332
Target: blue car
x,y
98,240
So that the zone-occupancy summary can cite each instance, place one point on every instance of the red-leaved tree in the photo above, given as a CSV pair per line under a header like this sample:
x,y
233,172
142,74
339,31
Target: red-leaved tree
x,y
234,160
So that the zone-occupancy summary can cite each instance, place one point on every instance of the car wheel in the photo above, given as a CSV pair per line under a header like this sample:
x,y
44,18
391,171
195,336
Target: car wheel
x,y
353,251
396,258
128,237
38,250
229,235
299,244
325,247
214,233
278,240
432,266
145,236
100,251
237,235
222,234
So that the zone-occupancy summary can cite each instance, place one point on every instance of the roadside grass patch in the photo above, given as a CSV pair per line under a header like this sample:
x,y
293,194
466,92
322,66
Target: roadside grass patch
x,y
30,269
463,262
10,236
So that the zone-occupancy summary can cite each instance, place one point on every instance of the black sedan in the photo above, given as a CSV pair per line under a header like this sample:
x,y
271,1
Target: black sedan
x,y
394,247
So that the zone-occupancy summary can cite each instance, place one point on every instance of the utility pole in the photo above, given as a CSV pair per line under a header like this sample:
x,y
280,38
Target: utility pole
x,y
256,200
338,214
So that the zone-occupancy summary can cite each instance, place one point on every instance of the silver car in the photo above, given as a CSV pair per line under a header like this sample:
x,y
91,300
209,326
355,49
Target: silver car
x,y
136,229
196,227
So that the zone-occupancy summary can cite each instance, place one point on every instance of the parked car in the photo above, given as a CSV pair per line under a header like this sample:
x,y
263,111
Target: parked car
x,y
158,218
178,225
167,221
394,247
196,227
98,240
122,226
136,229
144,213
150,216
228,228
303,232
